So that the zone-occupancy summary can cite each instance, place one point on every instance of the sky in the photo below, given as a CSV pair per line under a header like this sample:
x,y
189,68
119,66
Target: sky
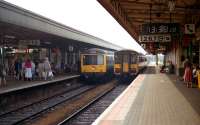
x,y
84,15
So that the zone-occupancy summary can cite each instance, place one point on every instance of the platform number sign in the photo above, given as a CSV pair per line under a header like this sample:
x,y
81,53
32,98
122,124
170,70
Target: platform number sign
x,y
189,28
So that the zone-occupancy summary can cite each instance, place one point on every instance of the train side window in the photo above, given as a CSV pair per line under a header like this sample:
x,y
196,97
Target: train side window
x,y
100,60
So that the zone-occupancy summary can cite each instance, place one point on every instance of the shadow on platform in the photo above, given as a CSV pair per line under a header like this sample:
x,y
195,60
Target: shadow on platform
x,y
192,95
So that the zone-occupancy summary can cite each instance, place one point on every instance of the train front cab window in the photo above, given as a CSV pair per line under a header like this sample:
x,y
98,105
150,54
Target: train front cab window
x,y
133,59
93,60
118,59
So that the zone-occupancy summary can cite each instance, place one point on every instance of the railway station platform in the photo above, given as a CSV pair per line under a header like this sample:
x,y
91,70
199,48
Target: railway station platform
x,y
154,99
16,85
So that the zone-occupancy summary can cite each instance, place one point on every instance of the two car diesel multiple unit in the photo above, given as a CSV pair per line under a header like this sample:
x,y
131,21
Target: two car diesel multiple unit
x,y
98,64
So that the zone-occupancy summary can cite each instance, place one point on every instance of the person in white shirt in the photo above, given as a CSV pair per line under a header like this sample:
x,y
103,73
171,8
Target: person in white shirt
x,y
47,69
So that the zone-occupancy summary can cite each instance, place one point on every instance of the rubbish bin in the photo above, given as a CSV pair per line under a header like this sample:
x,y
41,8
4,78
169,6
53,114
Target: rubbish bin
x,y
198,72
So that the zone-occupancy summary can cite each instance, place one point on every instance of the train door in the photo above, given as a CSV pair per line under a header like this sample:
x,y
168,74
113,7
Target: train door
x,y
129,62
125,63
118,63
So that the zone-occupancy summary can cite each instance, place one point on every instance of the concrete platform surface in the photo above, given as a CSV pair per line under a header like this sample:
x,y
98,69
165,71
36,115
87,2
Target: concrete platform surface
x,y
19,85
154,99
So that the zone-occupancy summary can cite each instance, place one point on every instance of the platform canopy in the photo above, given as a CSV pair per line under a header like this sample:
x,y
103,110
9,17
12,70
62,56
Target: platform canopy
x,y
136,16
16,22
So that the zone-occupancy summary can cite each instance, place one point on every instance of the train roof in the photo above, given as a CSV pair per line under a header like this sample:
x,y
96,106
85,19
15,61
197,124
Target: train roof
x,y
126,51
96,51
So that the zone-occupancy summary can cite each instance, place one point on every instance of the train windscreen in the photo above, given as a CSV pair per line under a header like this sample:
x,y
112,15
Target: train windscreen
x,y
118,59
133,59
93,60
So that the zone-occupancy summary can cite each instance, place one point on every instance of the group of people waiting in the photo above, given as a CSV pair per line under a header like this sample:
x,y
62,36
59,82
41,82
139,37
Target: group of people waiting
x,y
190,73
27,70
42,70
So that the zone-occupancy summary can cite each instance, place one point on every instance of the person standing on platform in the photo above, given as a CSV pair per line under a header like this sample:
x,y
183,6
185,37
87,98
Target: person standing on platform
x,y
41,72
195,74
23,69
2,75
33,69
17,69
47,68
185,63
28,70
188,75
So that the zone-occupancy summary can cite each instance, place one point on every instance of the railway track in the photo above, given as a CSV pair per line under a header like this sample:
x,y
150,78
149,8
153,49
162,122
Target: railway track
x,y
34,112
18,116
73,106
22,104
90,112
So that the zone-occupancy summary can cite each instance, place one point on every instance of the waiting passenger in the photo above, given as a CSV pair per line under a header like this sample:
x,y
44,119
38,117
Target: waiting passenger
x,y
17,69
23,69
47,69
162,70
195,74
33,69
171,67
2,75
188,75
12,70
40,70
28,70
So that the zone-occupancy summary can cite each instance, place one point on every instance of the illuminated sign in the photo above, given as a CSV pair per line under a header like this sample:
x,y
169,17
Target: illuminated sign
x,y
30,42
160,28
155,38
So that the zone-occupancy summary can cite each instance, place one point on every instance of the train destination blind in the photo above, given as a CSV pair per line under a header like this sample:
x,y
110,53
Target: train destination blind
x,y
155,38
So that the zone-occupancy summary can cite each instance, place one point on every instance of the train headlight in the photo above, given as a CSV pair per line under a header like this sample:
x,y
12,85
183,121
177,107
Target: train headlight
x,y
117,70
133,70
93,68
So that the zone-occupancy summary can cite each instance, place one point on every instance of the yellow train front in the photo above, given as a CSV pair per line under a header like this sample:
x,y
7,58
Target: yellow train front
x,y
128,64
97,65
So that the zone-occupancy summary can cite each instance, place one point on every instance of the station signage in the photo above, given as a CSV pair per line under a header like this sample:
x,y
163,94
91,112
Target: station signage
x,y
160,28
155,38
30,42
